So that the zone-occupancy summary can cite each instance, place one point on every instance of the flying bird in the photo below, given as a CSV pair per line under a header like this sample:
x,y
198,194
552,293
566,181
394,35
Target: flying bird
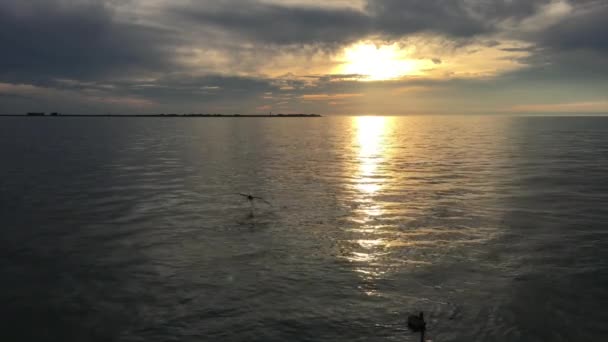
x,y
251,198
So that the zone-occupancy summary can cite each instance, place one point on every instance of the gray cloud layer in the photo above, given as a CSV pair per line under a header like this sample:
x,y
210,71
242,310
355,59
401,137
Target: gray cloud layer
x,y
76,39
271,23
43,41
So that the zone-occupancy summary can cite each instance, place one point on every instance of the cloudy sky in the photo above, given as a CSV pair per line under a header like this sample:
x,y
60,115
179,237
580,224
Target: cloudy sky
x,y
321,56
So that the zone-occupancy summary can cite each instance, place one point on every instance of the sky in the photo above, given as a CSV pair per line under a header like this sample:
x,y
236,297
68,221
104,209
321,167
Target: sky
x,y
357,57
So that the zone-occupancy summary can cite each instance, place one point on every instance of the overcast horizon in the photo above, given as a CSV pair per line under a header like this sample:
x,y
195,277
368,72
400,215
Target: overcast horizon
x,y
349,57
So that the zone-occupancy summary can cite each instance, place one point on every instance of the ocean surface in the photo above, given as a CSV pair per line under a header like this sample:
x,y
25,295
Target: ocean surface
x,y
131,229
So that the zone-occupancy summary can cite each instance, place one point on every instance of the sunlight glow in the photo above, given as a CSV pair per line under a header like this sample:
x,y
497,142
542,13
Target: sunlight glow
x,y
375,63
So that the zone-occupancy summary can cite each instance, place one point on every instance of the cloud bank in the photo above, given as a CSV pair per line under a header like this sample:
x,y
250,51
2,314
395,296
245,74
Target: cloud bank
x,y
247,56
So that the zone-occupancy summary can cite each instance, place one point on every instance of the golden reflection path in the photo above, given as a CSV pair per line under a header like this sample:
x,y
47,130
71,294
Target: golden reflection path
x,y
398,219
371,144
371,147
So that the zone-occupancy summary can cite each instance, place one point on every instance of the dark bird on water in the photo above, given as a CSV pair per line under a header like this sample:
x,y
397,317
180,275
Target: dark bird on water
x,y
417,324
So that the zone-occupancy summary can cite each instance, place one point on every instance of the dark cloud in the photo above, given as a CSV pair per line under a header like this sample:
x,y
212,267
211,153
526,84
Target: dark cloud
x,y
75,39
398,17
270,23
585,29
573,49
289,24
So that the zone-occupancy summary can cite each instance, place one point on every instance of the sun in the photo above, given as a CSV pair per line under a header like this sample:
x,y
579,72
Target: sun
x,y
378,62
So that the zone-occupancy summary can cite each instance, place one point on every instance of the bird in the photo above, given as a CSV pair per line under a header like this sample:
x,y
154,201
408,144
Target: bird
x,y
417,324
251,198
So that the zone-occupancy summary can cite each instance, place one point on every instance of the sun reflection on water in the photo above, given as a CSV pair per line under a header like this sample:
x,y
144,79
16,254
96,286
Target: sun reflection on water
x,y
408,200
371,136
370,142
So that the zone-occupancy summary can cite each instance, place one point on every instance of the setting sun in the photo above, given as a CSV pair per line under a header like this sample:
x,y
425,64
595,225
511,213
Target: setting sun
x,y
383,62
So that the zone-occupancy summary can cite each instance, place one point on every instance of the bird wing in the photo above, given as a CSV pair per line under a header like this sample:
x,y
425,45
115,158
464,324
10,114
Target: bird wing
x,y
263,200
244,195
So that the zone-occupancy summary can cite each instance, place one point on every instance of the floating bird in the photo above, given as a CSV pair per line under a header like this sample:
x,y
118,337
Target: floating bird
x,y
417,324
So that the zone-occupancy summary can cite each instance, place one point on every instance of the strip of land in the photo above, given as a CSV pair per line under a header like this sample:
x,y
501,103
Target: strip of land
x,y
168,115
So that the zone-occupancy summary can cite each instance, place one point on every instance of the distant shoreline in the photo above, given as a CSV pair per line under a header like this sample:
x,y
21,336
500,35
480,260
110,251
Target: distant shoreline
x,y
56,115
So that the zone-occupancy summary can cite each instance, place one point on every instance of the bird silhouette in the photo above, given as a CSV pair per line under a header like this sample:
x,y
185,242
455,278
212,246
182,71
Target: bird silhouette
x,y
417,324
252,198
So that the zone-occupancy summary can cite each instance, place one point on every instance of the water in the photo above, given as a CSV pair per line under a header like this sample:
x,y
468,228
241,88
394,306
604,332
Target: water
x,y
130,229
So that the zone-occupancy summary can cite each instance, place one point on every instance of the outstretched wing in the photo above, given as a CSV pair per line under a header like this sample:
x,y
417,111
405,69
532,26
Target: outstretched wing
x,y
263,200
244,195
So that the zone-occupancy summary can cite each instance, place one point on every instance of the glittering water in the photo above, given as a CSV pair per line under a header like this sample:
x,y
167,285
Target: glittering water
x,y
131,229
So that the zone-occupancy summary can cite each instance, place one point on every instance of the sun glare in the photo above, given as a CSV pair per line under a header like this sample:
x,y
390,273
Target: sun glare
x,y
375,63
370,139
